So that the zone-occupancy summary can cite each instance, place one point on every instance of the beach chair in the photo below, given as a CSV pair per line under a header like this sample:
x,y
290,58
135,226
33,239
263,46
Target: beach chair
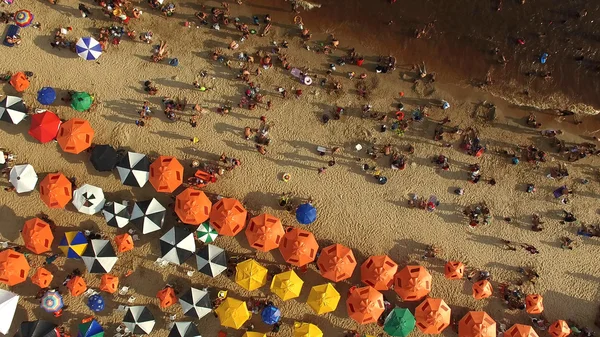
x,y
11,31
206,177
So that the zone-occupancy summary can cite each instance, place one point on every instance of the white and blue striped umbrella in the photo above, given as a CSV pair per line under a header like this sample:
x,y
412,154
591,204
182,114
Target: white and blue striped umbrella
x,y
88,48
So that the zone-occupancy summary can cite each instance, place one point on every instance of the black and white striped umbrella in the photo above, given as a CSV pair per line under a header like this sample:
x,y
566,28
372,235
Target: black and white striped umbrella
x,y
184,329
99,257
211,260
148,215
12,109
134,169
139,320
195,303
116,214
177,245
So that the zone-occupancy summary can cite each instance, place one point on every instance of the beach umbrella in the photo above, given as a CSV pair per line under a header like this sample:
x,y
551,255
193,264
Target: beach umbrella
x,y
184,329
306,214
232,313
433,316
195,303
287,285
412,283
166,174
306,330
56,190
96,303
534,304
23,18
264,232
88,199
378,272
299,247
75,135
44,126
365,305
12,109
37,328
37,236
81,101
139,320
124,242
148,215
454,270
42,278
8,306
134,169
46,95
477,324
166,297
228,217
482,289
19,81
14,267
52,301
115,214
103,158
88,48
206,233
109,283
99,257
399,322
336,262
323,298
250,275
192,206
270,315
211,260
76,285
520,330
23,178
177,245
90,329
559,328
73,244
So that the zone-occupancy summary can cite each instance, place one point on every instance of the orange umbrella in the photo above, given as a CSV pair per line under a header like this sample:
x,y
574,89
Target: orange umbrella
x,y
167,297
228,217
298,247
37,235
124,242
75,135
378,272
454,270
166,174
559,328
520,330
477,324
264,232
109,283
14,267
192,206
482,289
56,190
365,305
42,278
76,285
336,262
412,283
534,304
19,81
433,316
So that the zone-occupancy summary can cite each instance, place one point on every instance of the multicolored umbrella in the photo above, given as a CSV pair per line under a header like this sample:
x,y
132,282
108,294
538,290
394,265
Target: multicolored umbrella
x,y
88,48
90,329
399,323
73,244
81,101
46,95
206,233
23,18
52,301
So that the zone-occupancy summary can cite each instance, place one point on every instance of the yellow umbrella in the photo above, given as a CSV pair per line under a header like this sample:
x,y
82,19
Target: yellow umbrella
x,y
287,285
323,298
306,330
233,313
254,334
250,275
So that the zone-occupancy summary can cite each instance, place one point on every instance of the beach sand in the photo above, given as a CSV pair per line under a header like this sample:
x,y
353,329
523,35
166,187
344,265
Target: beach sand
x,y
353,209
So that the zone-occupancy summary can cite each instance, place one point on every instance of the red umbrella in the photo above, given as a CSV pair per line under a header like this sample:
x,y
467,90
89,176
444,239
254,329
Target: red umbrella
x,y
44,126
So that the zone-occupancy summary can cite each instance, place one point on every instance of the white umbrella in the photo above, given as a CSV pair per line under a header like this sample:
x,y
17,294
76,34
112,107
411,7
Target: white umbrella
x,y
2,159
12,109
177,245
8,306
148,215
88,48
23,178
139,320
195,303
88,199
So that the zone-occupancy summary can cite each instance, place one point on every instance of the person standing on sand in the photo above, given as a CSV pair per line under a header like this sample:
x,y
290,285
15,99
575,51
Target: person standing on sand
x,y
85,12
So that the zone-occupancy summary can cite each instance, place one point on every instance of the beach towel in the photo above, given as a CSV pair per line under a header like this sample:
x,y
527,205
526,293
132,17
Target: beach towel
x,y
11,31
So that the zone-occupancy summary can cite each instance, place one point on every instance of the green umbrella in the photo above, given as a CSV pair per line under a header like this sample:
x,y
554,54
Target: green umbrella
x,y
399,323
206,233
81,101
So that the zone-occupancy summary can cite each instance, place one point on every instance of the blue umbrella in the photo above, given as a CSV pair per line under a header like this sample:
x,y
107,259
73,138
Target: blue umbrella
x,y
52,301
306,214
96,303
46,96
88,48
270,315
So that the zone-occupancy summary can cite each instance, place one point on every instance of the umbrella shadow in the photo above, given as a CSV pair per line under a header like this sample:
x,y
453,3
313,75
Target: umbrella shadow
x,y
10,217
149,289
43,42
